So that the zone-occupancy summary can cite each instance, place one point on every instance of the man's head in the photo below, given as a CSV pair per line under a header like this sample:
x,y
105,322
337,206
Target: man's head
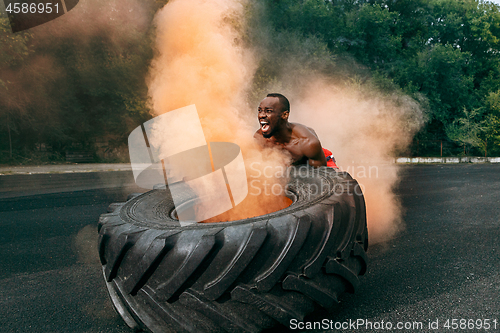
x,y
285,104
273,113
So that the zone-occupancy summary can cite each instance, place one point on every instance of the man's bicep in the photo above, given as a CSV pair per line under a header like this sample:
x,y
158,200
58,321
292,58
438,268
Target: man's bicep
x,y
315,154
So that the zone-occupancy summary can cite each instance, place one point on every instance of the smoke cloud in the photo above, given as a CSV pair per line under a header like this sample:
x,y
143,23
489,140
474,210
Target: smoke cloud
x,y
202,60
363,129
60,79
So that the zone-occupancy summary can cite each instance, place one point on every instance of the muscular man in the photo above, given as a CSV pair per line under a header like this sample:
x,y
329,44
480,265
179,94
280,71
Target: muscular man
x,y
275,131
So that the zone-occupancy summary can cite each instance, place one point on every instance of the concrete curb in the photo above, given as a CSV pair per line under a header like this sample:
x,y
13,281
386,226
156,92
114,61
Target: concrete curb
x,y
63,168
446,160
103,167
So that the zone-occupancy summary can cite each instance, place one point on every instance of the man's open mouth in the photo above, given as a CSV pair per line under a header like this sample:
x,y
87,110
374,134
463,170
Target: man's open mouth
x,y
264,125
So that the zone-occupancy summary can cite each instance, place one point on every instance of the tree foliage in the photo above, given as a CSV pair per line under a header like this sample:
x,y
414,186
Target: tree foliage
x,y
467,130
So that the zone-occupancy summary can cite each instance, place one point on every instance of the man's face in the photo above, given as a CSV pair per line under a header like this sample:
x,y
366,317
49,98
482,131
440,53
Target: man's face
x,y
270,116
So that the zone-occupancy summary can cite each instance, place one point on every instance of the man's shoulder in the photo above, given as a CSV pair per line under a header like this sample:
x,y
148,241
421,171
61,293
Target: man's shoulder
x,y
305,132
310,145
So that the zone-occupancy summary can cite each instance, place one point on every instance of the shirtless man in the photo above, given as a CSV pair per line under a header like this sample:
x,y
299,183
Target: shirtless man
x,y
300,141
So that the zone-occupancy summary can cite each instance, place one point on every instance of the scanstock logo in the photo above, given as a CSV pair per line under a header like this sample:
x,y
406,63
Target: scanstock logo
x,y
171,149
24,14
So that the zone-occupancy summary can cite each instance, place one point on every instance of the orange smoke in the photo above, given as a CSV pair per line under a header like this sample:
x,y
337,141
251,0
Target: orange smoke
x,y
200,61
363,129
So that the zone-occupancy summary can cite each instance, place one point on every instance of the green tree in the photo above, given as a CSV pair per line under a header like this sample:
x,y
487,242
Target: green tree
x,y
15,49
467,130
441,74
492,134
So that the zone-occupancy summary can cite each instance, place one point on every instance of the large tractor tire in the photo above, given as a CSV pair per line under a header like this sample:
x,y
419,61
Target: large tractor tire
x,y
239,276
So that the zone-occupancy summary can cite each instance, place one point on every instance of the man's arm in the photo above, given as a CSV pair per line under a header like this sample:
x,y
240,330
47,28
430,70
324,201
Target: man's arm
x,y
314,152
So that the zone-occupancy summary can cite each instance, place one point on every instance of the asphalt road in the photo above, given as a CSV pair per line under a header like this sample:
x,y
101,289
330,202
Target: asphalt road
x,y
444,265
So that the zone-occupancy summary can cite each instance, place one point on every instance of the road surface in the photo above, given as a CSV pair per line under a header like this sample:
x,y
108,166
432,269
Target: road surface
x,y
444,265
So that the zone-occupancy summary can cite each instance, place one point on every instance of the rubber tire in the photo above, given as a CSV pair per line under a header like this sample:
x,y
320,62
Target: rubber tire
x,y
239,276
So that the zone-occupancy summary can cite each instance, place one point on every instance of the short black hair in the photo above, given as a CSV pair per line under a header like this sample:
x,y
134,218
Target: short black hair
x,y
283,100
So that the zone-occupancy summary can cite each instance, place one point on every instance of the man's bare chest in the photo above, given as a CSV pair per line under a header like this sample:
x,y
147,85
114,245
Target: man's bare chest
x,y
294,148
